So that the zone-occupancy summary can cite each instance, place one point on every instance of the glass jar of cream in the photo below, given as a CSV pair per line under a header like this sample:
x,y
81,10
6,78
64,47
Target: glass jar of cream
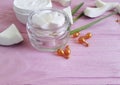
x,y
48,29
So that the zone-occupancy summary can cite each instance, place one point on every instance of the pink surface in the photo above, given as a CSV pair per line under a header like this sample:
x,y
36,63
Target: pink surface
x,y
99,64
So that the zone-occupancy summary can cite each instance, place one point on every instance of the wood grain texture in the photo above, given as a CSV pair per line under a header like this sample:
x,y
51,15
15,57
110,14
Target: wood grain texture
x,y
98,64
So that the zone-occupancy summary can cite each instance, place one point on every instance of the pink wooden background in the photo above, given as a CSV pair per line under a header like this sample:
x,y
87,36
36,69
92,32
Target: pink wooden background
x,y
99,64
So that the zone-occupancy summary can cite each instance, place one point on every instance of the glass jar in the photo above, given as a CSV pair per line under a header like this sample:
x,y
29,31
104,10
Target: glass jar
x,y
51,34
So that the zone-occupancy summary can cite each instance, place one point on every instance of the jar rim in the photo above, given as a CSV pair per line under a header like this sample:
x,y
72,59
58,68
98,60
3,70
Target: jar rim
x,y
67,21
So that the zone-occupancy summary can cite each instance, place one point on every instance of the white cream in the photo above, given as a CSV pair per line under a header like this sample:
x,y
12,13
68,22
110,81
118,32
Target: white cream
x,y
48,20
23,8
10,36
32,4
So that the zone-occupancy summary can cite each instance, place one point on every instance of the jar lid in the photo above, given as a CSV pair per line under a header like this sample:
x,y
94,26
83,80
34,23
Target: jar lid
x,y
26,6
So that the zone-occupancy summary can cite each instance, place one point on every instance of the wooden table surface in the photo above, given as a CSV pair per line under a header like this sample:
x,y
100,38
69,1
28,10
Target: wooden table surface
x,y
98,64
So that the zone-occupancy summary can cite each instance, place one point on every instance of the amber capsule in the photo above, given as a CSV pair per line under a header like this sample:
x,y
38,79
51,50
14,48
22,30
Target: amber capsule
x,y
60,52
68,47
67,52
82,41
76,34
88,35
117,20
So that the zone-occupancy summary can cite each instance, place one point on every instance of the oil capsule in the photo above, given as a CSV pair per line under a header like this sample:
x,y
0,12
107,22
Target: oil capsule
x,y
76,34
60,52
82,41
88,35
67,52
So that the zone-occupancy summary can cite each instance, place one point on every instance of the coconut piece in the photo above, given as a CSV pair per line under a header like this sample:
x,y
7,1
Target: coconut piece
x,y
100,3
110,5
63,2
118,8
94,12
10,36
69,13
102,7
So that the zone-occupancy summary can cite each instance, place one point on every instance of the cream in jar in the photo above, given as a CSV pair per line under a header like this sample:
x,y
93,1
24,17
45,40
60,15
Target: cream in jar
x,y
48,29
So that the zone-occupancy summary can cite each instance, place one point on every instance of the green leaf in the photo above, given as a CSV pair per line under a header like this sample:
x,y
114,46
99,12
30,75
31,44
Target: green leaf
x,y
76,18
74,10
90,24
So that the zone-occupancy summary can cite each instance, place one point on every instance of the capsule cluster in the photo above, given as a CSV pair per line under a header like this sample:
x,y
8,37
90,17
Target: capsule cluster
x,y
64,52
82,39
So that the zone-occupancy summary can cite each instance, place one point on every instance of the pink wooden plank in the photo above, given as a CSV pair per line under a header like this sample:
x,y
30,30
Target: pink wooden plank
x,y
98,64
